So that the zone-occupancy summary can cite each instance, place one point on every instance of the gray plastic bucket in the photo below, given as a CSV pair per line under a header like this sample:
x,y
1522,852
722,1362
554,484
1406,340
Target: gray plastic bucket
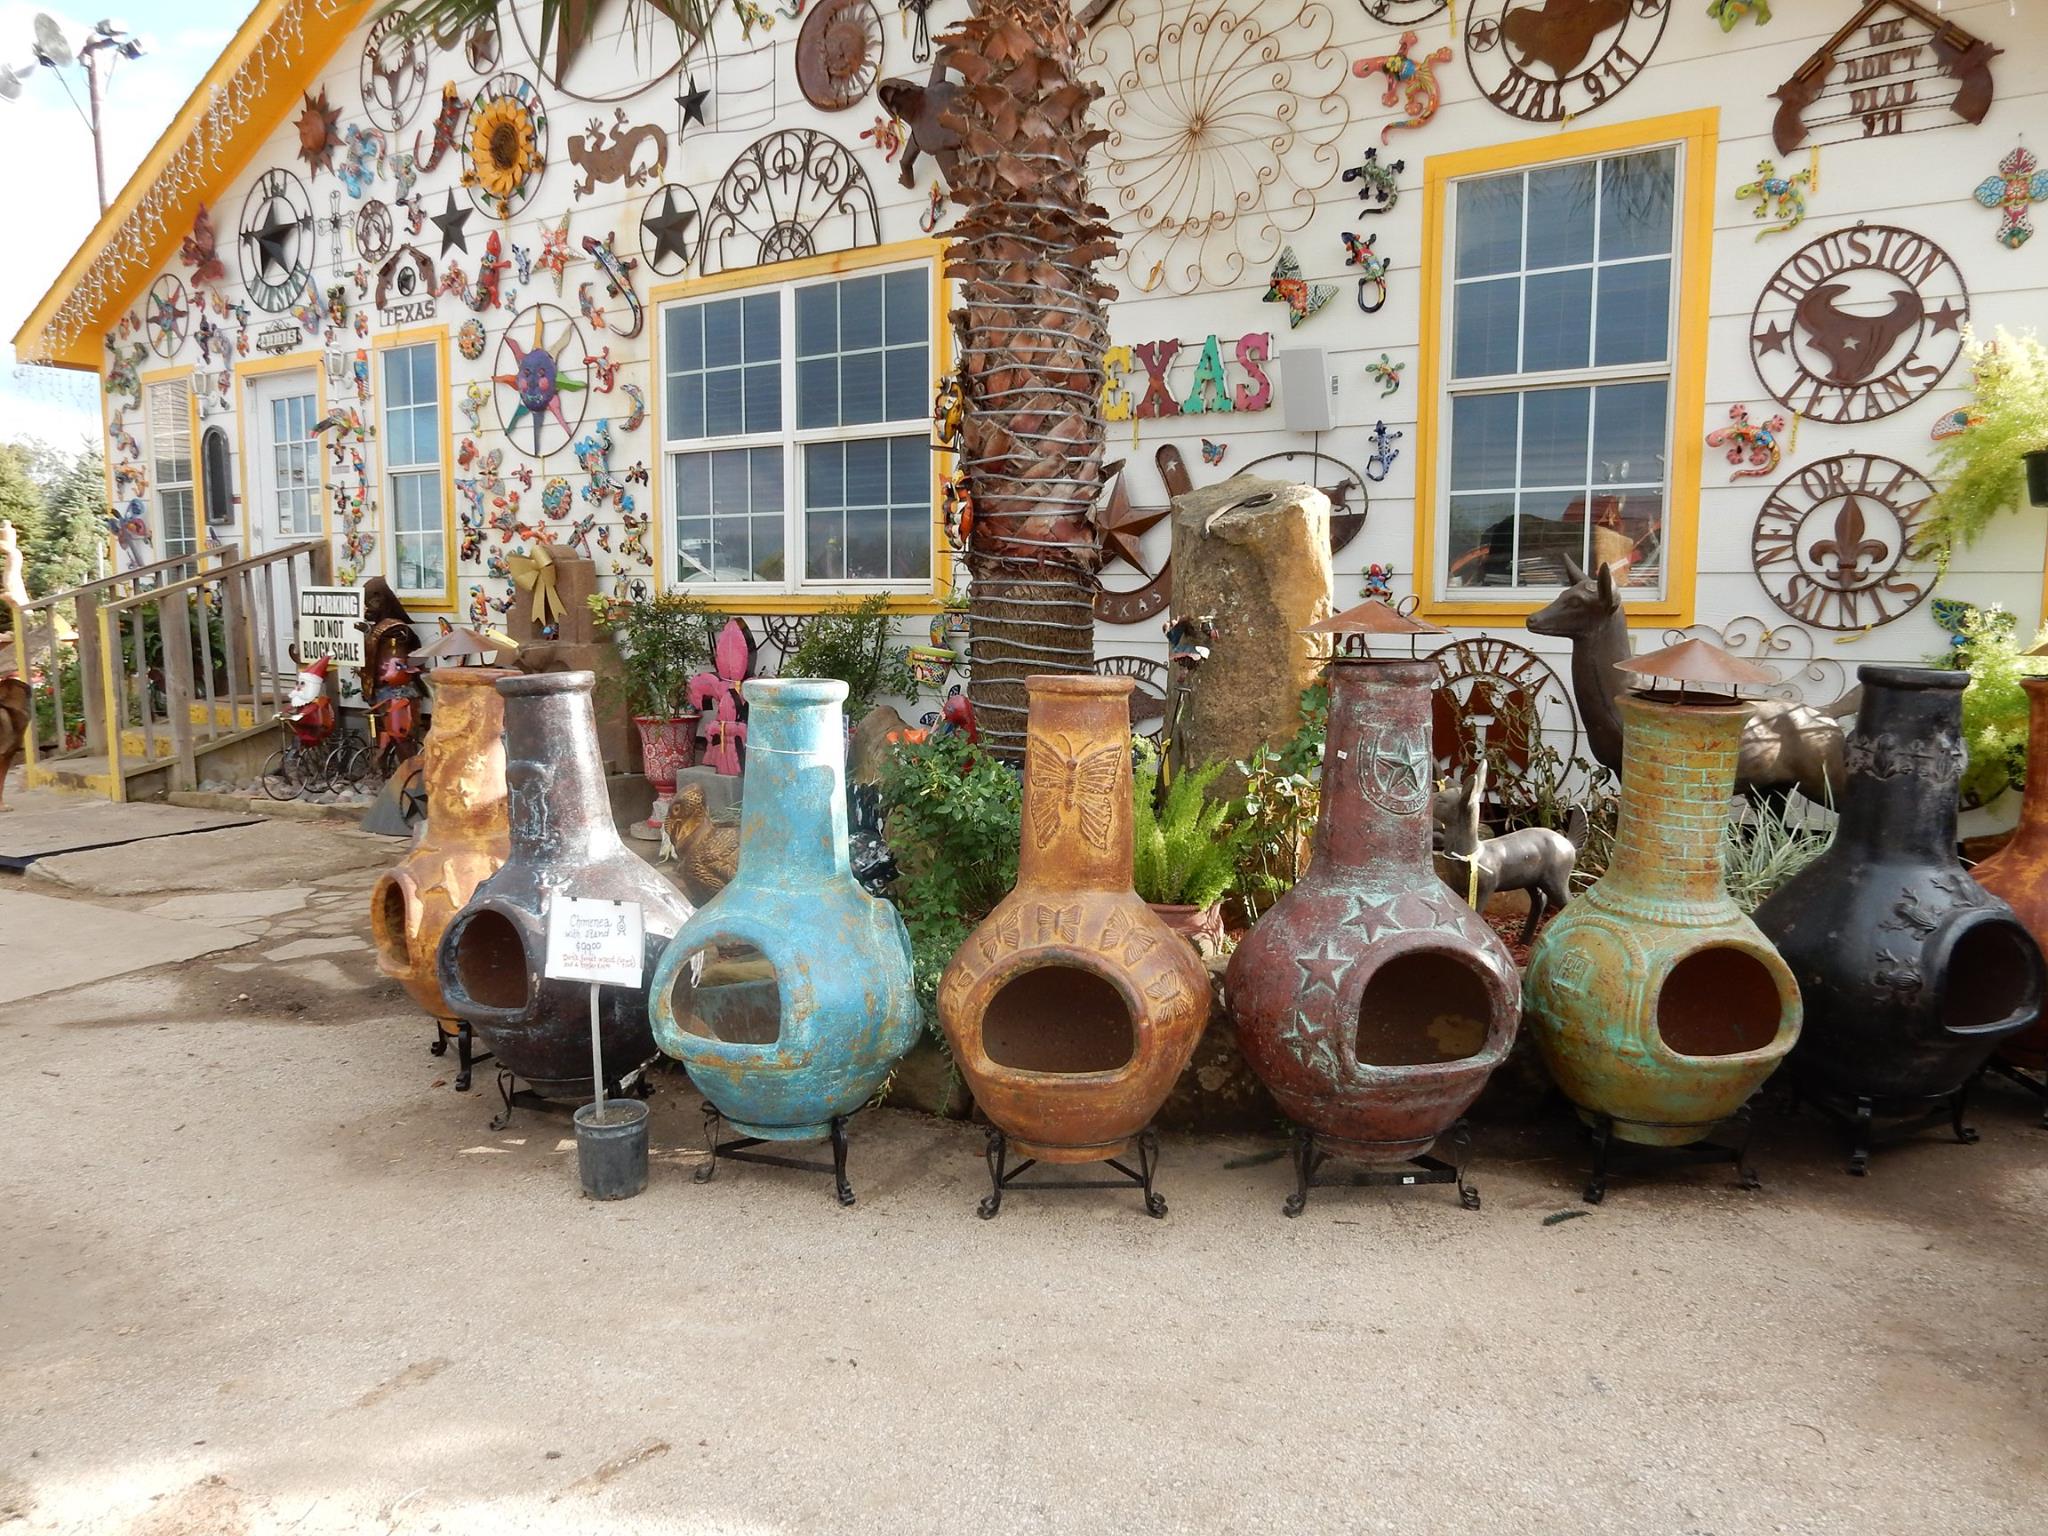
x,y
611,1152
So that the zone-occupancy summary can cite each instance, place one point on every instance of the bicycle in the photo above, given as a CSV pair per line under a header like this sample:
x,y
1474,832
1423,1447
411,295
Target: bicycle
x,y
313,761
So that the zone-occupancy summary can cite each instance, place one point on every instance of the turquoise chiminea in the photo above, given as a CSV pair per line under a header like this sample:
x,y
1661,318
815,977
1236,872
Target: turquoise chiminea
x,y
788,996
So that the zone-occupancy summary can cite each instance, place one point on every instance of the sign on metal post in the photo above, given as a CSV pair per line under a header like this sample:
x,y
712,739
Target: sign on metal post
x,y
330,624
594,940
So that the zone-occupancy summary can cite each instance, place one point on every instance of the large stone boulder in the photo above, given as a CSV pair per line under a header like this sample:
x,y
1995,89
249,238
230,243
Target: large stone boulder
x,y
1254,556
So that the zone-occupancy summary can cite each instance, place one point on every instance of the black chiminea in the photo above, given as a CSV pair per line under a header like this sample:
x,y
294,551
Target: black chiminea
x,y
1912,972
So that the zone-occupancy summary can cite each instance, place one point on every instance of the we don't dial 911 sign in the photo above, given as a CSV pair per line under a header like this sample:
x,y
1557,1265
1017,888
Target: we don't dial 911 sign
x,y
594,940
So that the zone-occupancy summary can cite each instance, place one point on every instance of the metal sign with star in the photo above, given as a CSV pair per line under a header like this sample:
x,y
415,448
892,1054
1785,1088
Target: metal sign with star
x,y
543,383
276,240
668,229
1859,324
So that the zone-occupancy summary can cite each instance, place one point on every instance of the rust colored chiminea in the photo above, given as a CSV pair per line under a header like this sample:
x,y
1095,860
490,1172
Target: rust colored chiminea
x,y
1659,1007
1371,1001
2018,875
1072,1008
463,842
492,958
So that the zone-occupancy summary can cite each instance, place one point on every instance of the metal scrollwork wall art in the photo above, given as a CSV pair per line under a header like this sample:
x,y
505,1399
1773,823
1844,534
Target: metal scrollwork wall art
x,y
167,316
791,194
1548,60
1223,124
505,145
839,53
1859,324
393,76
1786,649
1830,545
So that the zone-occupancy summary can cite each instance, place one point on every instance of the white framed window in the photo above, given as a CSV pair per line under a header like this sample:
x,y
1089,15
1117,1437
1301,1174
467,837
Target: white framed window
x,y
413,452
292,491
1559,374
170,468
796,434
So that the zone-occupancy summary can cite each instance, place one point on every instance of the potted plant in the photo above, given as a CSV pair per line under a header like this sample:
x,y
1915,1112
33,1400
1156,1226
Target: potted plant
x,y
2003,442
1184,857
850,641
661,643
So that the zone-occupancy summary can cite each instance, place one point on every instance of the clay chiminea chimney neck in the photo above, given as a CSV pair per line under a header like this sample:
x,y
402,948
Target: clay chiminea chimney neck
x,y
793,830
556,706
1077,785
1376,773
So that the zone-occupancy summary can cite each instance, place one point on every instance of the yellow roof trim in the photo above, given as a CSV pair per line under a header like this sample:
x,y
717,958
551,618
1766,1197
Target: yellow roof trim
x,y
149,218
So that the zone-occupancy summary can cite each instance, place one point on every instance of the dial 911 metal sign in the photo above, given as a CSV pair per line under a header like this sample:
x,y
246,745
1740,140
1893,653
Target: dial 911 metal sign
x,y
1546,60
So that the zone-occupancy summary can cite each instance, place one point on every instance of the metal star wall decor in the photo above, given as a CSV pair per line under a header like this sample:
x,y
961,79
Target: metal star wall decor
x,y
668,229
451,221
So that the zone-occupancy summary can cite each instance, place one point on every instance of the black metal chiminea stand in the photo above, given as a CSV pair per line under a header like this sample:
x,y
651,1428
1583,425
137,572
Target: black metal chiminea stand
x,y
1635,1158
1003,1178
736,1150
1310,1156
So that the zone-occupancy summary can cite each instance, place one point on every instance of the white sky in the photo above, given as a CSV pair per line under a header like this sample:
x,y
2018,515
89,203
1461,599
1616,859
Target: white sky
x,y
46,186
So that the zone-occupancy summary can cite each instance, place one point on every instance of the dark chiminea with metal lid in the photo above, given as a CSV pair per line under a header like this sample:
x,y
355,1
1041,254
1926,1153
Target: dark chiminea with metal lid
x,y
1370,1000
1913,974
492,956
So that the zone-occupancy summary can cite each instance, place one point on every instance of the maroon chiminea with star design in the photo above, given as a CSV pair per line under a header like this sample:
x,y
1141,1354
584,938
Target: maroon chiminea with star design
x,y
1370,999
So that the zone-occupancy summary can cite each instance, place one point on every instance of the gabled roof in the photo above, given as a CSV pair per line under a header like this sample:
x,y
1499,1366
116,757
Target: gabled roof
x,y
240,102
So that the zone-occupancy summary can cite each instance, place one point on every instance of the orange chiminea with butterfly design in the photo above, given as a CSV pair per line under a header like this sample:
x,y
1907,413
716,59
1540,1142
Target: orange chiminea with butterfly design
x,y
1072,1008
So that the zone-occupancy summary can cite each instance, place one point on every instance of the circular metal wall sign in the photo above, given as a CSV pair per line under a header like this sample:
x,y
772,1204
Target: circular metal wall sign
x,y
1546,60
1494,696
838,53
1831,544
1859,324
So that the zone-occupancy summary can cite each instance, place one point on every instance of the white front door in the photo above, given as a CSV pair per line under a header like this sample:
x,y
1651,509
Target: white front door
x,y
284,486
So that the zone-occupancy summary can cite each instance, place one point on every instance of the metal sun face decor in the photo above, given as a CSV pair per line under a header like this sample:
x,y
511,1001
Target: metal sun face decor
x,y
839,53
792,194
505,145
393,76
542,381
1859,324
1223,124
1547,60
276,240
1830,544
319,130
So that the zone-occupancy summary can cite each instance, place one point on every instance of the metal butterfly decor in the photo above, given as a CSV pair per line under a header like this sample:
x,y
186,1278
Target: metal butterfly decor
x,y
1289,287
1212,452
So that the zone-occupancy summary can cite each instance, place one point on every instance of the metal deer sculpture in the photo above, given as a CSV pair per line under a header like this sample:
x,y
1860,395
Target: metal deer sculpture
x,y
1784,746
1535,859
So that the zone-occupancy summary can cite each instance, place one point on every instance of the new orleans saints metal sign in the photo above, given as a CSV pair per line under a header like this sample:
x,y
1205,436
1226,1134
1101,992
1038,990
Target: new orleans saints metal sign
x,y
1830,545
1859,324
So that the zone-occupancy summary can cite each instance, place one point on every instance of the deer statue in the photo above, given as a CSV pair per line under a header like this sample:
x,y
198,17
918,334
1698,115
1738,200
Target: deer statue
x,y
1535,859
1784,746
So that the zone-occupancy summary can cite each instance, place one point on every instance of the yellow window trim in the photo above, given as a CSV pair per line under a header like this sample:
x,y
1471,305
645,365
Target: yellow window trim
x,y
143,381
387,531
1699,132
252,368
776,275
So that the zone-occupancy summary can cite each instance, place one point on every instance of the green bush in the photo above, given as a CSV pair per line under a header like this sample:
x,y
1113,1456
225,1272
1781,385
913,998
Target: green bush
x,y
850,641
1994,705
1982,468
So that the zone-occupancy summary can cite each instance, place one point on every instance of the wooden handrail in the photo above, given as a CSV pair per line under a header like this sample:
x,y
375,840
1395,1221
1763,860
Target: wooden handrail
x,y
226,553
193,583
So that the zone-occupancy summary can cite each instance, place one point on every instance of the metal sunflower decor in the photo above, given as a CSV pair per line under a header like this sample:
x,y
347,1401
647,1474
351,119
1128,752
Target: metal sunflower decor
x,y
505,145
543,383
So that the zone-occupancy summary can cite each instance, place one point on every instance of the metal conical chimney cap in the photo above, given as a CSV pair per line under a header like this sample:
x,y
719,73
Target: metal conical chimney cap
x,y
1354,630
1696,664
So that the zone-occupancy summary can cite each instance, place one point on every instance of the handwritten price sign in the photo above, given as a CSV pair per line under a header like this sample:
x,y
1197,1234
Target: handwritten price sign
x,y
595,941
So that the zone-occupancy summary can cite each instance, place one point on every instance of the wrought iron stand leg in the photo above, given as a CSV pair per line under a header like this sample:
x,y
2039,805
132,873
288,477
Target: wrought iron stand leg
x,y
1961,1103
709,1171
997,1151
1304,1168
839,1160
1745,1174
440,1045
465,1044
1148,1160
1596,1184
500,1121
1859,1149
1461,1157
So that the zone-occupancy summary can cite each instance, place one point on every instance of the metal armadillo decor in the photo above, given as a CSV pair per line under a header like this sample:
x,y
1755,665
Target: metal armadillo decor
x,y
789,995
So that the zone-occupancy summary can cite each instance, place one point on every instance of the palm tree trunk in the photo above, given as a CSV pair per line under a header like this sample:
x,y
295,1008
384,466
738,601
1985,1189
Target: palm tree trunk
x,y
1032,329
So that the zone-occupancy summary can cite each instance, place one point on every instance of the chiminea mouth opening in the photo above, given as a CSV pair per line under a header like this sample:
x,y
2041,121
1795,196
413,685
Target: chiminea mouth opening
x,y
1421,1009
727,993
1059,1020
1990,979
1720,1001
490,962
387,924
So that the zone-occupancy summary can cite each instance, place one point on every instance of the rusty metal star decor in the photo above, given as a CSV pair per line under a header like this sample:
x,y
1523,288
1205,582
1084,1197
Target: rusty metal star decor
x,y
1119,526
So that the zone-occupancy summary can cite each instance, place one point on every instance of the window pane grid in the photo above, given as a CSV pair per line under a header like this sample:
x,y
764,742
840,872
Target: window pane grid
x,y
170,452
1587,340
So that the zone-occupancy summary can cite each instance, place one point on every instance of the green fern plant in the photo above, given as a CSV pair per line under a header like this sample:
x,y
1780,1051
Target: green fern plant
x,y
1183,853
1983,466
